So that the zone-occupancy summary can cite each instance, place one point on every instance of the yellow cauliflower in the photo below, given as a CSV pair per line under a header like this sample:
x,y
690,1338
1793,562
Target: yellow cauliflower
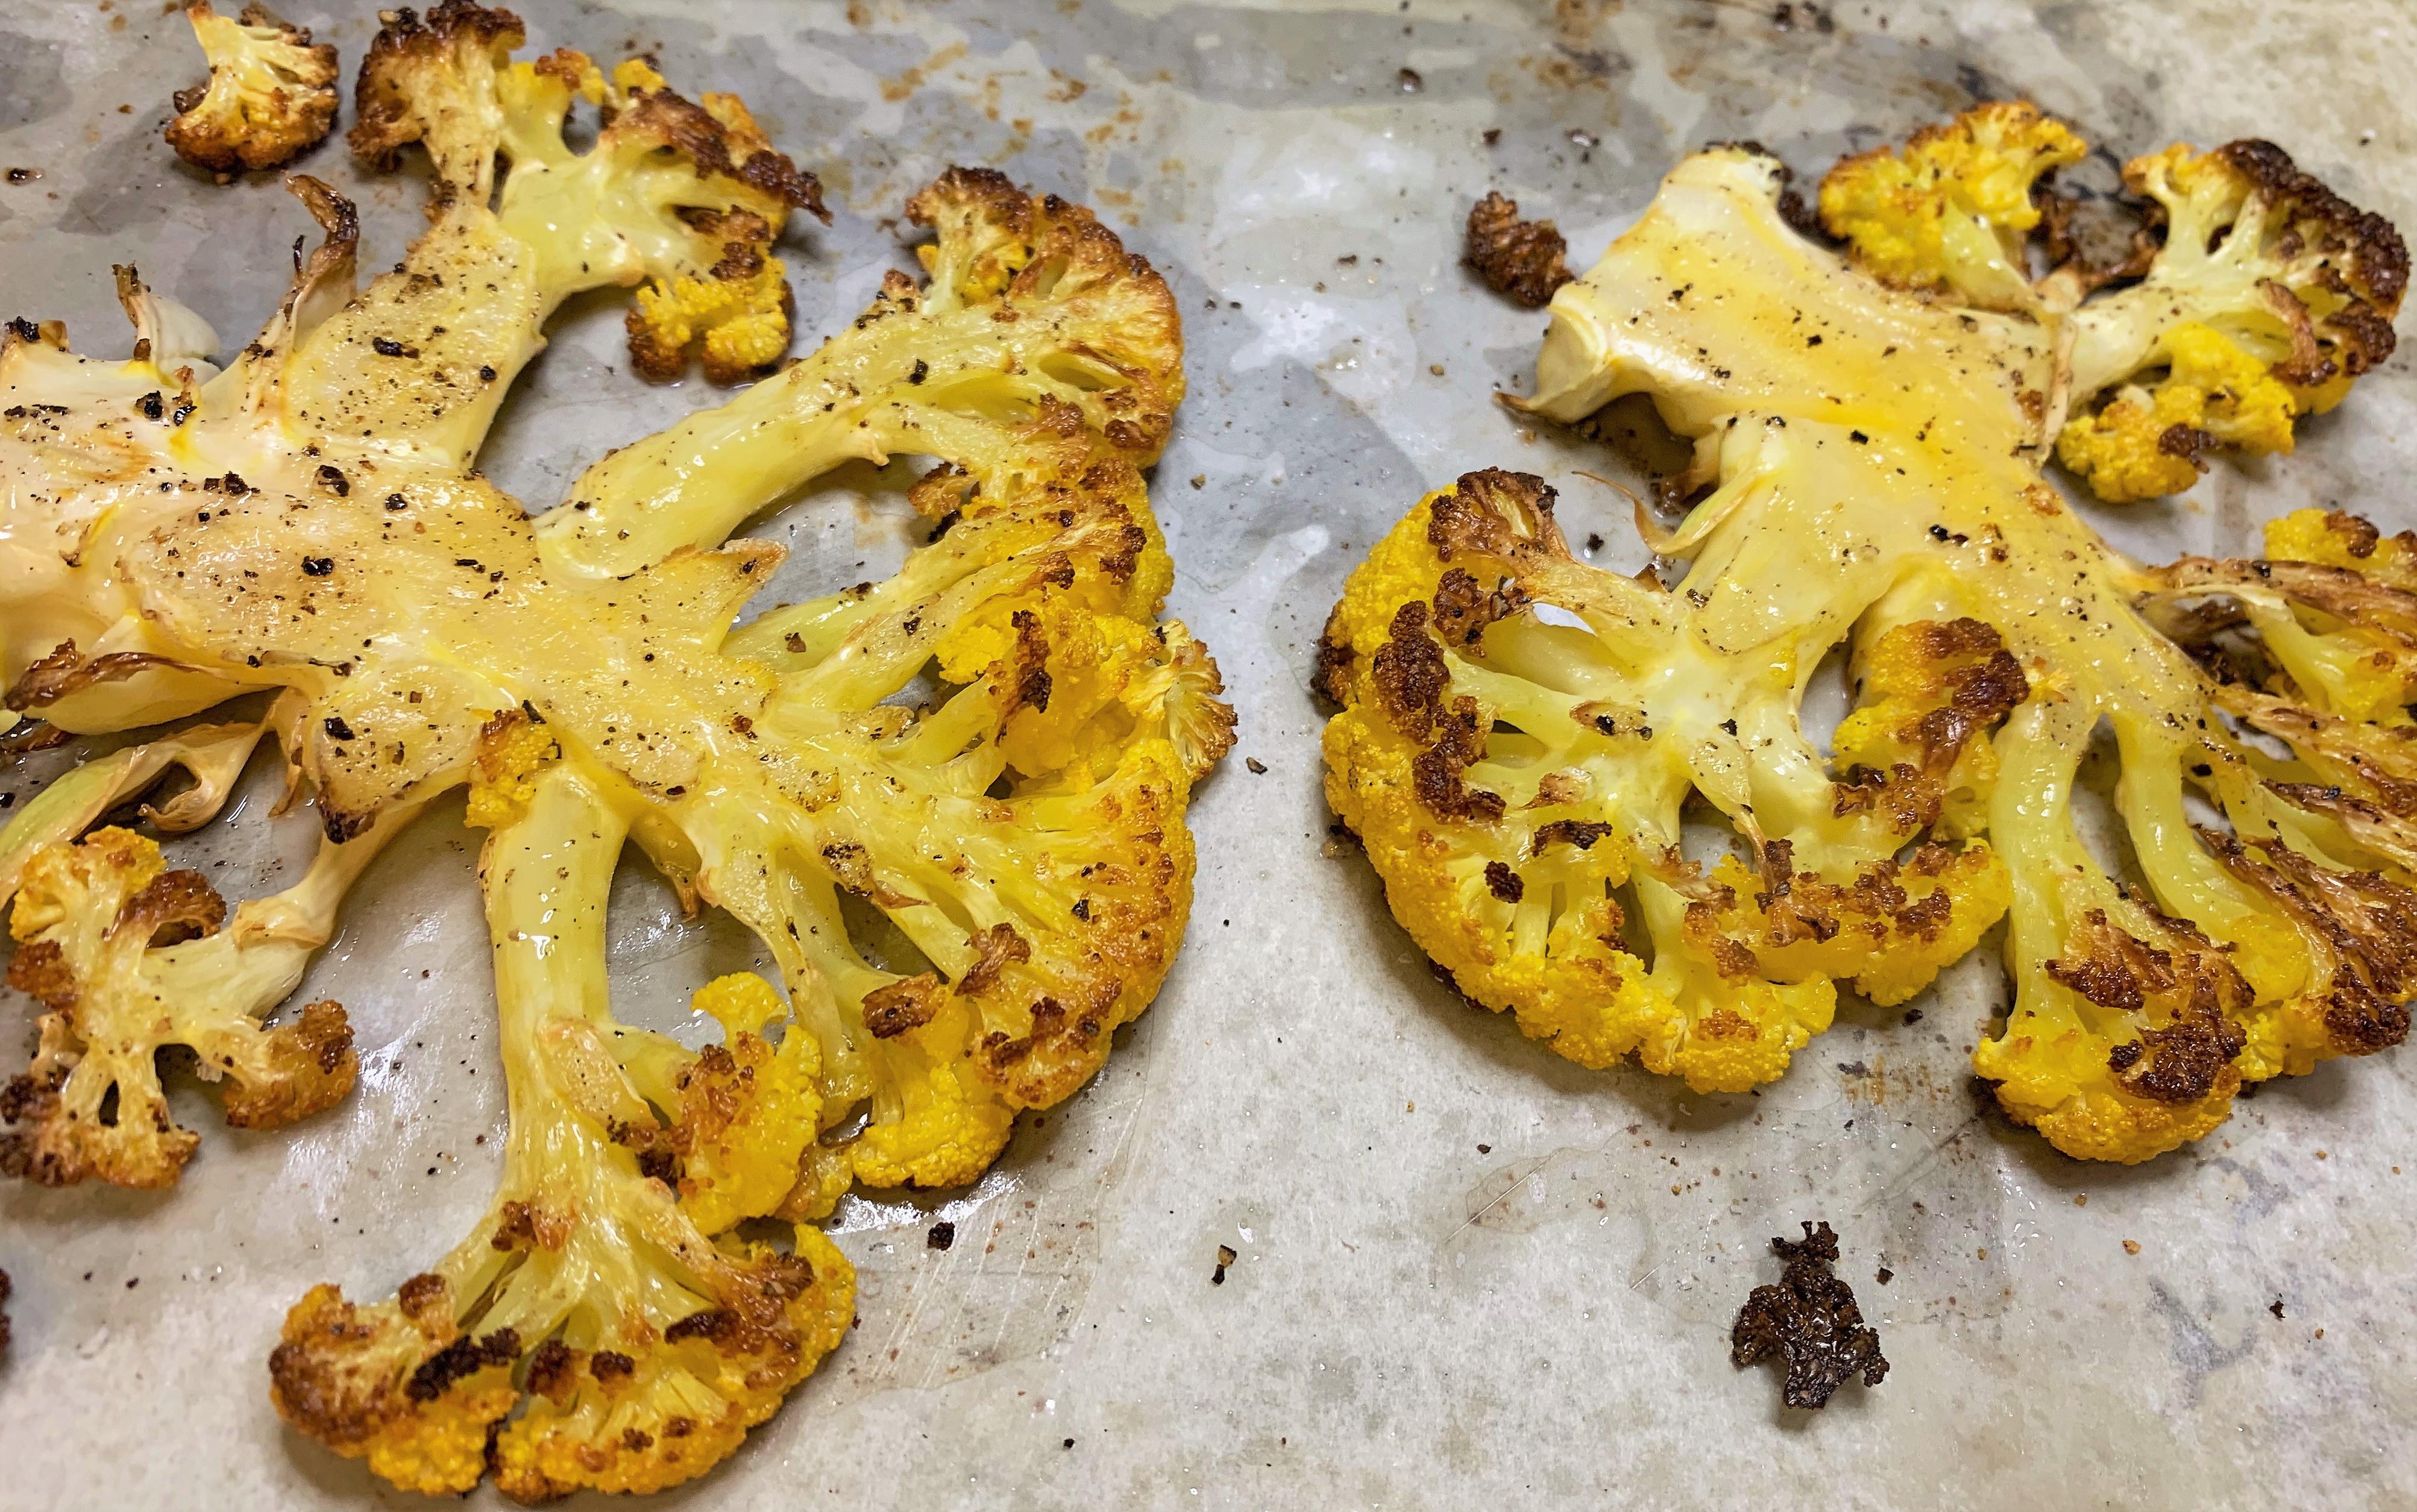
x,y
130,958
1521,733
312,529
2146,443
2269,294
1952,206
1517,781
2256,295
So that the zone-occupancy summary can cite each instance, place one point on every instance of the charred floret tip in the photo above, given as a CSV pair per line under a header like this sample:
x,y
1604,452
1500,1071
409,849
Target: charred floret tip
x,y
270,97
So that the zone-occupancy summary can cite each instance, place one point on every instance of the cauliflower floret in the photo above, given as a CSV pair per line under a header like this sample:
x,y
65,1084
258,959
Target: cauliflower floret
x,y
1520,733
738,313
1928,689
1186,686
2328,638
2269,295
1041,354
1048,913
737,1116
1955,206
2143,443
309,522
688,196
100,925
647,1346
2335,540
271,97
1513,776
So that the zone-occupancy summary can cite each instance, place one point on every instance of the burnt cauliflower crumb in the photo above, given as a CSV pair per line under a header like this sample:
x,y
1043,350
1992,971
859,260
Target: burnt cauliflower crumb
x,y
1521,259
1809,1319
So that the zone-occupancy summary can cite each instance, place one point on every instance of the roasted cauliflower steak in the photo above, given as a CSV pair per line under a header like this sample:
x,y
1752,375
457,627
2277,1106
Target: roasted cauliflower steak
x,y
1523,737
992,749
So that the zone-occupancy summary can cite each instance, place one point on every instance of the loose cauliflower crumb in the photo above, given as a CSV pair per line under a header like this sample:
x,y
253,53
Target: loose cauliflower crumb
x,y
270,97
1520,259
1521,732
1810,1322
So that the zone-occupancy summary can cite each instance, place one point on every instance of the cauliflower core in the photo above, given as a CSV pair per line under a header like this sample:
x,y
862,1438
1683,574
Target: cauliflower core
x,y
270,97
1521,732
308,524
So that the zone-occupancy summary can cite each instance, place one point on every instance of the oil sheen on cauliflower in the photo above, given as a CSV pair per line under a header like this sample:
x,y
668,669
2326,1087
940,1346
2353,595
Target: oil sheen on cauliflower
x,y
1522,733
269,98
307,526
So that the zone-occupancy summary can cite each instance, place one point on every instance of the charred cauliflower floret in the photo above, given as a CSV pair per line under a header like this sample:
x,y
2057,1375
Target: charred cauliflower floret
x,y
2269,295
688,196
1521,733
308,523
87,916
270,97
601,1295
2256,296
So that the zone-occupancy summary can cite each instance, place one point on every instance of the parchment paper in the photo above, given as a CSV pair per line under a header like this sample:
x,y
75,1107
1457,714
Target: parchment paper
x,y
1470,1273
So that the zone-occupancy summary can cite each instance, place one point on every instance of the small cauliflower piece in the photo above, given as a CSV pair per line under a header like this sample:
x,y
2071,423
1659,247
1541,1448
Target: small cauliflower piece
x,y
687,196
128,958
1953,207
270,97
1520,733
1521,259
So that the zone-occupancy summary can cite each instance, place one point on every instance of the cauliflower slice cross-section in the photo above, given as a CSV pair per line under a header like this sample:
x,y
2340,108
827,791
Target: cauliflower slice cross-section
x,y
1522,733
308,524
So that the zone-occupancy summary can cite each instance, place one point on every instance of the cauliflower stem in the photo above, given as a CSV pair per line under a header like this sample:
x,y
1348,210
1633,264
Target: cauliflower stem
x,y
638,1347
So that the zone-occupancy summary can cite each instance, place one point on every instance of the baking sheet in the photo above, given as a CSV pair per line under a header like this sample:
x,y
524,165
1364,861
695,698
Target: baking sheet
x,y
1468,1271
